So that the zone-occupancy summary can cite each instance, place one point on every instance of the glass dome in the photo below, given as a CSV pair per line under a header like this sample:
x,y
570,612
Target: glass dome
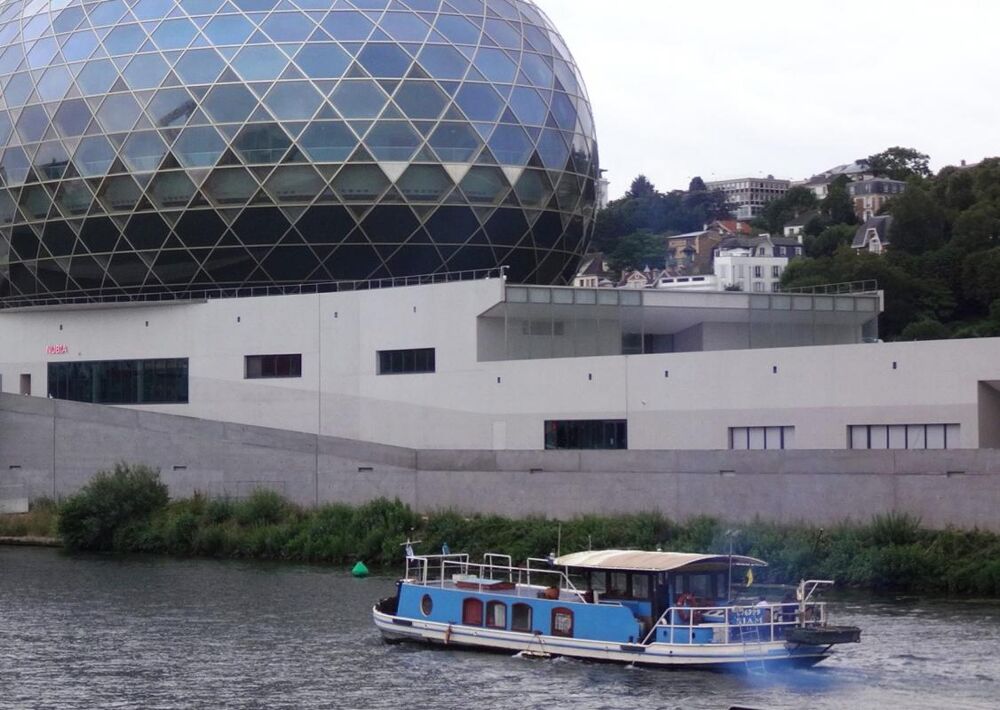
x,y
171,145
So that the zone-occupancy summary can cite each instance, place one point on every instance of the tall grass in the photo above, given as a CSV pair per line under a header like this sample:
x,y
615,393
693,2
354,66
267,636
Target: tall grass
x,y
39,521
893,553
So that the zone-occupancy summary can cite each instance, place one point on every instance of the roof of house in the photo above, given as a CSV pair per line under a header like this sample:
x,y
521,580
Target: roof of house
x,y
803,219
593,265
642,561
880,225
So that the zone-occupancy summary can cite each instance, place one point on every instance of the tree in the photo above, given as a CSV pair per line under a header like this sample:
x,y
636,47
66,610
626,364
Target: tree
x,y
638,250
925,329
981,275
837,206
777,213
697,185
900,163
829,240
919,224
977,228
641,187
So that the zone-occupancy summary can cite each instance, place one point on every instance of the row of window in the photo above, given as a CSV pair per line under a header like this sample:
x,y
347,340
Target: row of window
x,y
905,436
586,434
161,381
390,362
493,615
874,436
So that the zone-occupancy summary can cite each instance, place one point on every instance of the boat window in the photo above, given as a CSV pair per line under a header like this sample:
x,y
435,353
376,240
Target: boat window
x,y
701,586
496,615
617,585
562,622
520,617
640,586
426,605
472,612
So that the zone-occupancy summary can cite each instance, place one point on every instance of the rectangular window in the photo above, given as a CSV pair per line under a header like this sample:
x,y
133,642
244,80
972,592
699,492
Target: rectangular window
x,y
163,381
406,362
597,434
263,367
904,436
758,438
776,272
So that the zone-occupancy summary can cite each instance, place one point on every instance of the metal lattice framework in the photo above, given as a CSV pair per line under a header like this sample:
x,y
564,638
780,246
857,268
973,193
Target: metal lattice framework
x,y
178,144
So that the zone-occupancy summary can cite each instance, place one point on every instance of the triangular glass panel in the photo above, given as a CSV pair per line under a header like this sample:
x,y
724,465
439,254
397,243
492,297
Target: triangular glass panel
x,y
356,72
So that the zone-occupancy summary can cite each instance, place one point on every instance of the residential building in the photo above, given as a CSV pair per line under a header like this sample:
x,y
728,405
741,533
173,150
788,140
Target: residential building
x,y
692,253
796,228
820,183
747,197
754,265
870,195
594,272
873,235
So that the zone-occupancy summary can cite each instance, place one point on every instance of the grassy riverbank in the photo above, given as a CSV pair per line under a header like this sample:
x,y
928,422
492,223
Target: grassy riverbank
x,y
128,510
39,522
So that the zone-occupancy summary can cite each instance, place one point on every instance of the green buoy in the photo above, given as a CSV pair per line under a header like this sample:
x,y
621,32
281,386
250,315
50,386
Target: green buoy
x,y
360,570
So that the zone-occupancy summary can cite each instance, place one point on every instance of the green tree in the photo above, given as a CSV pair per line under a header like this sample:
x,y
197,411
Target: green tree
x,y
697,185
977,228
837,206
925,329
638,250
641,187
919,223
777,213
829,240
981,275
898,163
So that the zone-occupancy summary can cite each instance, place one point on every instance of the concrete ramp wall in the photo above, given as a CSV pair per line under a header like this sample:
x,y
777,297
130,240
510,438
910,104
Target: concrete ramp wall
x,y
52,448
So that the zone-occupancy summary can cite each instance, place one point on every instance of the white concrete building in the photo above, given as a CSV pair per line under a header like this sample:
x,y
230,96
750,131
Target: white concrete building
x,y
747,197
487,365
755,266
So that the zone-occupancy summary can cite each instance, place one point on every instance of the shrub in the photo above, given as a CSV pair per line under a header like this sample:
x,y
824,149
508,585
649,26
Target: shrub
x,y
263,507
93,518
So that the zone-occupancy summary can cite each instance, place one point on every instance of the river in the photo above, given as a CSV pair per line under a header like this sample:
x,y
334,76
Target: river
x,y
141,632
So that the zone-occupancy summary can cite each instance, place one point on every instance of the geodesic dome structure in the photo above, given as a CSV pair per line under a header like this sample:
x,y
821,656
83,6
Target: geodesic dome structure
x,y
169,145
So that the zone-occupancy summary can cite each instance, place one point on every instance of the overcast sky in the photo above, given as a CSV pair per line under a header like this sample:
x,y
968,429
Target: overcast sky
x,y
789,88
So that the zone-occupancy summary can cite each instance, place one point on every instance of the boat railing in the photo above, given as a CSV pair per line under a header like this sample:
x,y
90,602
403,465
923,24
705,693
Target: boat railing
x,y
421,569
729,624
442,570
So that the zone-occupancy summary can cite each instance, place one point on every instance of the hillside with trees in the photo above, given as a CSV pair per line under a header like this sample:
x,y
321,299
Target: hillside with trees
x,y
941,273
630,230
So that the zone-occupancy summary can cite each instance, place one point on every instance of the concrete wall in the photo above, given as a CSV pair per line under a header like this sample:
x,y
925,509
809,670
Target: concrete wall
x,y
51,448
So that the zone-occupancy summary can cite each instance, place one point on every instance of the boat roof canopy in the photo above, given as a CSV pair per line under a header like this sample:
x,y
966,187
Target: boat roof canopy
x,y
640,561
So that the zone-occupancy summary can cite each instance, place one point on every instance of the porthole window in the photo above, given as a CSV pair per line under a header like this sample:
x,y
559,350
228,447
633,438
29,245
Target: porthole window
x,y
426,605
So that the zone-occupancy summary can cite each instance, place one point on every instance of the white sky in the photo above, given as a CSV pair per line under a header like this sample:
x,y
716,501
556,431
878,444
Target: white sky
x,y
790,88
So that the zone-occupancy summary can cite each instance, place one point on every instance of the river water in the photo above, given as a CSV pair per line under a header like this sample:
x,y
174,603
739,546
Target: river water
x,y
88,632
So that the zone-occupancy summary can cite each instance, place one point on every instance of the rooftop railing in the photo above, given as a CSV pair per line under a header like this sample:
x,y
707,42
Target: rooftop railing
x,y
120,296
846,287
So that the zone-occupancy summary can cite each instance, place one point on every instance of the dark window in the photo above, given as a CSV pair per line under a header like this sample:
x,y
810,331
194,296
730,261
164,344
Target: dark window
x,y
121,381
262,367
406,362
520,618
472,612
562,622
612,434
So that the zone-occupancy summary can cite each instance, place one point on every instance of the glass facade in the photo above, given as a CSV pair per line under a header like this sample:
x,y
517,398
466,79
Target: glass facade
x,y
171,145
159,381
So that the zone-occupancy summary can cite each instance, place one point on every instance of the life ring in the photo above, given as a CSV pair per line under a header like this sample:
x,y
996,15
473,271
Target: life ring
x,y
687,599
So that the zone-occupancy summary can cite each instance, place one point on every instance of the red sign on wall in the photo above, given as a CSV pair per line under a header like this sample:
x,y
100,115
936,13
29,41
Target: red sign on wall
x,y
57,350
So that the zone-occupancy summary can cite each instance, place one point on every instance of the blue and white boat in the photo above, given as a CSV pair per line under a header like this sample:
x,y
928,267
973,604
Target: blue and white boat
x,y
650,608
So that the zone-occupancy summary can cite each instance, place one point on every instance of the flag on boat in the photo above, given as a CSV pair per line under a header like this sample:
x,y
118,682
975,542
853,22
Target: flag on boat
x,y
749,576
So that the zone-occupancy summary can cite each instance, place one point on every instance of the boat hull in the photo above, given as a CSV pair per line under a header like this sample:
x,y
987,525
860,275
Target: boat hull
x,y
395,629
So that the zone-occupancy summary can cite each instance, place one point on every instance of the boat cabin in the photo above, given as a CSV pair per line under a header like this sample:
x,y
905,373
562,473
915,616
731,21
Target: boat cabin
x,y
650,583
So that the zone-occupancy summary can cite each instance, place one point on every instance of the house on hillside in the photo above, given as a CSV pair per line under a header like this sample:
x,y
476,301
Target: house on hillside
x,y
594,273
754,265
796,228
870,196
692,253
873,235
